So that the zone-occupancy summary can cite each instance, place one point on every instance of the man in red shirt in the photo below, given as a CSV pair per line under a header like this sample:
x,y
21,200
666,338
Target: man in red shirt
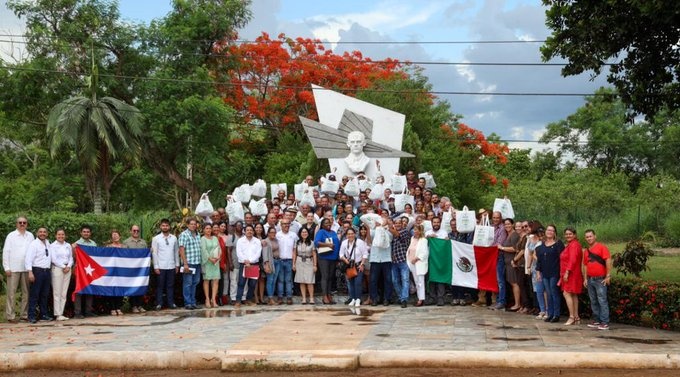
x,y
597,269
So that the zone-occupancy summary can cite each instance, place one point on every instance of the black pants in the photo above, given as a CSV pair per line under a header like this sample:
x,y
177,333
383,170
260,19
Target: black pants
x,y
327,268
166,284
40,292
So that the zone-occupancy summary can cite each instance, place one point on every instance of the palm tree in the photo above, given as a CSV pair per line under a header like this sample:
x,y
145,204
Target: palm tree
x,y
100,131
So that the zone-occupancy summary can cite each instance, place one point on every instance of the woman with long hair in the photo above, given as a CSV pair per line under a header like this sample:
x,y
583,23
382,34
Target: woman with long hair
x,y
365,235
354,252
417,256
61,255
220,231
271,261
305,265
210,267
548,271
509,249
571,276
115,303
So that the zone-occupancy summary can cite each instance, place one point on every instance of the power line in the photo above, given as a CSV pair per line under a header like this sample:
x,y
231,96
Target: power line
x,y
316,41
346,90
402,62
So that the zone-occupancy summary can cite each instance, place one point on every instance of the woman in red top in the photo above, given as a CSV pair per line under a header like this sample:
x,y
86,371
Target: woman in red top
x,y
571,278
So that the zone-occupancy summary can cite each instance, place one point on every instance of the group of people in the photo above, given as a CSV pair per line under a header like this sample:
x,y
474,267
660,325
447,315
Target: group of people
x,y
259,259
37,267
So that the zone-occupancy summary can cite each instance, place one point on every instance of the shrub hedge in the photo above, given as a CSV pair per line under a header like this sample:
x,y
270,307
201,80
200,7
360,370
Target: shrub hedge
x,y
642,303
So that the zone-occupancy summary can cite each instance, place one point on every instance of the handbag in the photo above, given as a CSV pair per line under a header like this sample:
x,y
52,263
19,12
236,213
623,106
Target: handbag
x,y
504,206
484,233
465,220
259,188
351,271
204,207
342,266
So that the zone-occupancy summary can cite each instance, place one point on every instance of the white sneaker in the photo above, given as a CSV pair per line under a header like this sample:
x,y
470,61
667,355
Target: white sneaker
x,y
62,318
357,302
351,303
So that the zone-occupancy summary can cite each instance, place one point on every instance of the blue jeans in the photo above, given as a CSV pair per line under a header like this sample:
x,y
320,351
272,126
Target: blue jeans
x,y
400,279
554,298
273,278
355,287
189,283
379,270
539,289
166,284
285,278
598,300
242,283
39,293
500,275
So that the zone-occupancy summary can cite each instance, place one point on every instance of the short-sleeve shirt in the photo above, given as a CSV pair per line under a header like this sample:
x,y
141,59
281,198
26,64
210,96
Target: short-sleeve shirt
x,y
594,268
192,246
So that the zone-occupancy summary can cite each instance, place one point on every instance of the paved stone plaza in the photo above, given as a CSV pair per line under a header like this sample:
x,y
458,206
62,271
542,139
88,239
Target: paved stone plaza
x,y
329,337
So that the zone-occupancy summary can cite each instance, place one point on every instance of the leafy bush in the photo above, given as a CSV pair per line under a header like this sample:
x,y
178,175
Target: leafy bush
x,y
671,228
633,259
644,303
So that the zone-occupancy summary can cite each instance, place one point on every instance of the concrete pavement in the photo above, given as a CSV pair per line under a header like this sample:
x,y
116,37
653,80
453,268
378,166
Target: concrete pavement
x,y
329,337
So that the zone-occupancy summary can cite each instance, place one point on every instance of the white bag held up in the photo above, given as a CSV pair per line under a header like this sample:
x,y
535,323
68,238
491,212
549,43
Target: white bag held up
x,y
352,187
308,198
259,188
235,211
399,184
242,193
400,201
427,226
371,220
446,220
465,220
258,208
429,180
377,192
381,239
364,184
484,233
275,188
204,207
504,206
329,187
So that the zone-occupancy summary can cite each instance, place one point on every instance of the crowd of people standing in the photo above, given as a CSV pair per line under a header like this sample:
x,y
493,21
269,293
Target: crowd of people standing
x,y
259,259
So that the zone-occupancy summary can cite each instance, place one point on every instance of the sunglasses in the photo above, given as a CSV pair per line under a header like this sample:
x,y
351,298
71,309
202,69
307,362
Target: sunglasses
x,y
22,222
46,254
166,242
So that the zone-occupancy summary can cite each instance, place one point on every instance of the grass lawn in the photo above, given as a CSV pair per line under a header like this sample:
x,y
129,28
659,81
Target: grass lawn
x,y
662,267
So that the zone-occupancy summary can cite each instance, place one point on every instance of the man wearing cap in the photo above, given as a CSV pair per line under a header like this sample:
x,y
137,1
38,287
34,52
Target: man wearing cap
x,y
14,264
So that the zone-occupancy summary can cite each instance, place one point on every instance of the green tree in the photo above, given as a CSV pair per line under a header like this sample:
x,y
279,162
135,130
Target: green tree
x,y
601,135
638,38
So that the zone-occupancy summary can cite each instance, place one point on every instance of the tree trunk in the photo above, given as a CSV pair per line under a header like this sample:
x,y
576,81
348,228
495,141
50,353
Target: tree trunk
x,y
97,198
169,172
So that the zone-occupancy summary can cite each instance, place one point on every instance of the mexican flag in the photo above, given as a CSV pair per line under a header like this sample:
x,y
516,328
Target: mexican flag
x,y
460,264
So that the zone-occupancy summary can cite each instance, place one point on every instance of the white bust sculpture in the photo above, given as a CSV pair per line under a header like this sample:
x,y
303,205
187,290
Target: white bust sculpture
x,y
357,161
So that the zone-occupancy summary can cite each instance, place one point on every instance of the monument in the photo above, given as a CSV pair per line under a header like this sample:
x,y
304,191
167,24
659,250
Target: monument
x,y
353,134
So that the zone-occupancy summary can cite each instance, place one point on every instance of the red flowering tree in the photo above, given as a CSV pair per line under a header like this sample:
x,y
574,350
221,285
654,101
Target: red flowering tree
x,y
270,80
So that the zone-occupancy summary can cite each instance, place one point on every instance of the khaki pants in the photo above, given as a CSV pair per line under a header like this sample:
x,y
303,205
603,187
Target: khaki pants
x,y
60,282
15,280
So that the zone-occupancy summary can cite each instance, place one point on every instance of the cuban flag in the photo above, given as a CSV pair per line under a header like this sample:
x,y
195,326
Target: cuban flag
x,y
463,265
112,271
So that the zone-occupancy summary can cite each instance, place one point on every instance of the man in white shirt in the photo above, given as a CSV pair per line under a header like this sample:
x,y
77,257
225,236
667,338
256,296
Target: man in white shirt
x,y
437,290
287,240
14,264
37,263
165,256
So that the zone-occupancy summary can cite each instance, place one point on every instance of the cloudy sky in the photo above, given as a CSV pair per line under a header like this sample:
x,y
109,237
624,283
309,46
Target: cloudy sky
x,y
428,23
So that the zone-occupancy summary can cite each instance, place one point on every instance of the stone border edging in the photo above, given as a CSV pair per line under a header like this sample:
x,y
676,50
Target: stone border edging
x,y
330,360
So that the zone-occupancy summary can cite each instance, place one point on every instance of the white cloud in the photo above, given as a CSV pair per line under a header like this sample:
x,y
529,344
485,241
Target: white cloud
x,y
517,132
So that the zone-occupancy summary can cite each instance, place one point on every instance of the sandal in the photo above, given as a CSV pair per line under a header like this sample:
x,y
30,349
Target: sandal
x,y
114,312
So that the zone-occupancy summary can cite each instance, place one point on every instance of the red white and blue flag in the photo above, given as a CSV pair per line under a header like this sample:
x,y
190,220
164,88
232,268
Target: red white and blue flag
x,y
111,271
